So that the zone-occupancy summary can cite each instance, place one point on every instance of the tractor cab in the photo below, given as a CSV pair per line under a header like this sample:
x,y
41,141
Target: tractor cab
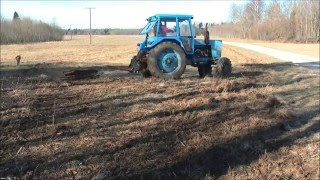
x,y
165,27
170,45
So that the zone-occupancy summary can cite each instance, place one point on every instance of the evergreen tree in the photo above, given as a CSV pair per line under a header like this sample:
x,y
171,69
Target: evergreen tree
x,y
16,16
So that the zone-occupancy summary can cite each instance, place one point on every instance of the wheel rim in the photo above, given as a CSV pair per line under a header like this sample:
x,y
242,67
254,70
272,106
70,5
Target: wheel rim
x,y
169,60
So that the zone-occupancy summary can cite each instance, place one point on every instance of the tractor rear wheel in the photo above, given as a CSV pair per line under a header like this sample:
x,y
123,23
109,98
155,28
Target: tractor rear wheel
x,y
223,67
167,60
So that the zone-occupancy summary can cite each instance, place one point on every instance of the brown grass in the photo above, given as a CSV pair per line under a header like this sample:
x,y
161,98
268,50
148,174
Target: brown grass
x,y
260,123
105,49
113,49
26,30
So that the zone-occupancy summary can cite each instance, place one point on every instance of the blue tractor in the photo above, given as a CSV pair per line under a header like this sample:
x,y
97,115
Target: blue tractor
x,y
170,45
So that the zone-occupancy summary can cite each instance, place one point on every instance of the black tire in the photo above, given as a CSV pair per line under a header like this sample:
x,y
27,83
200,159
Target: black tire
x,y
223,67
201,71
152,61
204,70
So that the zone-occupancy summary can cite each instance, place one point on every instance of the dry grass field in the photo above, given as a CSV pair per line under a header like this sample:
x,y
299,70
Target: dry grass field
x,y
260,123
105,49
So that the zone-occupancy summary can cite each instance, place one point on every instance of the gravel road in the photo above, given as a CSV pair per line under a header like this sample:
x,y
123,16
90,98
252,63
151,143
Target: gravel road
x,y
299,59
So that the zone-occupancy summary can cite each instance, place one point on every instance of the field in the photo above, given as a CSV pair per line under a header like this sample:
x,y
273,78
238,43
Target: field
x,y
260,123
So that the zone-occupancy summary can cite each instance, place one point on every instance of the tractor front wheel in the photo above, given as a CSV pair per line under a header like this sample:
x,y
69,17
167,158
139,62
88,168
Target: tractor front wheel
x,y
223,67
167,60
205,70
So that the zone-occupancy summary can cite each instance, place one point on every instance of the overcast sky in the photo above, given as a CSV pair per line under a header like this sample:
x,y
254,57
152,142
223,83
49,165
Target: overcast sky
x,y
113,14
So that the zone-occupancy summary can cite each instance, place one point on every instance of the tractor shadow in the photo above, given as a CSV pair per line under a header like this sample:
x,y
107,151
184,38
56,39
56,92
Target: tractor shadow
x,y
251,70
310,65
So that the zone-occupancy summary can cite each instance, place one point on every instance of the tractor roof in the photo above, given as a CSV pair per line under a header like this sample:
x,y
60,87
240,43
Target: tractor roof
x,y
170,16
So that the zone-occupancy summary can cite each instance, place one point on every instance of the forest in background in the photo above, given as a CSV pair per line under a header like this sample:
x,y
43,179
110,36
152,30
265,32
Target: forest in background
x,y
286,21
106,31
25,30
289,20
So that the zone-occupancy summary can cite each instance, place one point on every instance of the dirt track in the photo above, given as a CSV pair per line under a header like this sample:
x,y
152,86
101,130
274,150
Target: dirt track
x,y
262,122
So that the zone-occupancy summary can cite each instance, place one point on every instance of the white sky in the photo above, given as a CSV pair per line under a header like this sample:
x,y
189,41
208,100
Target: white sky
x,y
113,14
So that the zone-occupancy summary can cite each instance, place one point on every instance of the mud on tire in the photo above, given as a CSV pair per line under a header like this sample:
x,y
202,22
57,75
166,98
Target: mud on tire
x,y
135,65
223,67
154,59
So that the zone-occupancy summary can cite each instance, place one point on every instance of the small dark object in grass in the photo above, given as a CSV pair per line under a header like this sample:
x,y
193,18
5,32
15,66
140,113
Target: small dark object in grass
x,y
260,96
146,74
214,101
273,102
18,59
285,127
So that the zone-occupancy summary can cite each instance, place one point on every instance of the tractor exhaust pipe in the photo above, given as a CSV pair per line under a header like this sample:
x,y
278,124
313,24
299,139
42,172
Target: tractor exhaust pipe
x,y
206,35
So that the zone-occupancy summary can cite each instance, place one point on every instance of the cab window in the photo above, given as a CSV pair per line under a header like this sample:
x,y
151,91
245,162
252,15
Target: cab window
x,y
184,26
167,27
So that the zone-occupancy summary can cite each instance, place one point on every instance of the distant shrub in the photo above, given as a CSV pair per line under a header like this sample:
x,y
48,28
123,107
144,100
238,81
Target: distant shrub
x,y
107,31
124,31
26,30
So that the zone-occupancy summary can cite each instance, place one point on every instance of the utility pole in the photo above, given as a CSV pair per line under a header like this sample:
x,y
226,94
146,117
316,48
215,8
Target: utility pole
x,y
90,20
70,32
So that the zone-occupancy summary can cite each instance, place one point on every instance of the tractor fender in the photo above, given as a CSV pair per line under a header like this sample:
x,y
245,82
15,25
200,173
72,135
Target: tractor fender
x,y
142,45
171,40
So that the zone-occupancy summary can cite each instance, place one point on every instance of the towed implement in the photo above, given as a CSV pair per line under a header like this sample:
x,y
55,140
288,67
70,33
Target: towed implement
x,y
170,46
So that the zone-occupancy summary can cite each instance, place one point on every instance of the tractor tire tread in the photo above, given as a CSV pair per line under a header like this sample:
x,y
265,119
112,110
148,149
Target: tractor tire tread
x,y
152,61
223,67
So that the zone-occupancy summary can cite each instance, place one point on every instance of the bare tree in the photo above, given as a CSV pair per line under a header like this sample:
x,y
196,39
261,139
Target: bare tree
x,y
315,20
290,19
247,21
235,13
256,8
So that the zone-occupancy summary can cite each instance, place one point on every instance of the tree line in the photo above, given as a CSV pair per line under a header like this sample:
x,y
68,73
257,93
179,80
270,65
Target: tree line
x,y
290,20
26,30
106,31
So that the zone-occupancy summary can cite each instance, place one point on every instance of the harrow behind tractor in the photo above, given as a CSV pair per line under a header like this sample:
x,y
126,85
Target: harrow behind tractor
x,y
170,45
